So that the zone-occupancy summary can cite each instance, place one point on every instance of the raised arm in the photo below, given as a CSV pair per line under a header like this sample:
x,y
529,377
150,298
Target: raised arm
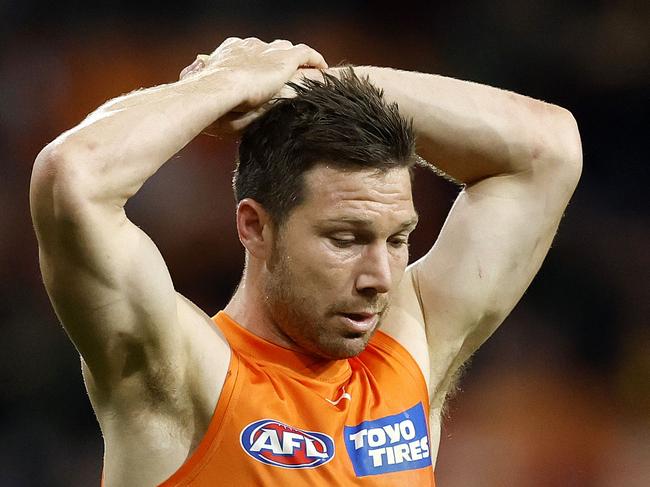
x,y
107,281
519,160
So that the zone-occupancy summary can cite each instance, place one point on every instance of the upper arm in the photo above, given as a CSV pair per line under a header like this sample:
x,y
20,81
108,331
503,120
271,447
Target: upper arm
x,y
106,279
492,244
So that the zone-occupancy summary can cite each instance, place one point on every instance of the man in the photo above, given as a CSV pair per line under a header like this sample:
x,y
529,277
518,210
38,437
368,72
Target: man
x,y
295,385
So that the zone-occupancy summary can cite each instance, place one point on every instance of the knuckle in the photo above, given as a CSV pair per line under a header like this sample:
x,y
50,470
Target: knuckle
x,y
252,41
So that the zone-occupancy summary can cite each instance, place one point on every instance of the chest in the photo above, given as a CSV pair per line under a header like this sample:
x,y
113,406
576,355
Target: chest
x,y
353,427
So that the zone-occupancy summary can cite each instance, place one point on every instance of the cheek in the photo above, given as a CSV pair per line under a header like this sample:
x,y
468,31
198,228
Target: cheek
x,y
326,258
398,265
321,271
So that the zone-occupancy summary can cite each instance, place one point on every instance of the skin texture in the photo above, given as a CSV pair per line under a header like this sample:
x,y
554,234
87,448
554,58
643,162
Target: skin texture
x,y
154,363
342,251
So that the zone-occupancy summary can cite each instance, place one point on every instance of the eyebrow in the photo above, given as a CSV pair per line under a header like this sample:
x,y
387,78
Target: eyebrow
x,y
364,222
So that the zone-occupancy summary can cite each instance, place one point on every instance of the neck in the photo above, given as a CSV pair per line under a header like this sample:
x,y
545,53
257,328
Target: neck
x,y
248,308
245,307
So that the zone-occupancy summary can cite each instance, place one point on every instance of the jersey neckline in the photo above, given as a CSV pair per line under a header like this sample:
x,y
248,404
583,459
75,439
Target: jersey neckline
x,y
296,363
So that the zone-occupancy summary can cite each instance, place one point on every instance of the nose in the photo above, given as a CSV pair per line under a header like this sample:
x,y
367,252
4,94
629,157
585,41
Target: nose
x,y
375,276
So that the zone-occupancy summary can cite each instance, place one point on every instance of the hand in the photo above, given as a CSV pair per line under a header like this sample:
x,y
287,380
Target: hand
x,y
261,71
234,122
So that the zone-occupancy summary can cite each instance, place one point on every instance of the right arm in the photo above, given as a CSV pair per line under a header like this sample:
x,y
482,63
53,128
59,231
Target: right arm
x,y
106,279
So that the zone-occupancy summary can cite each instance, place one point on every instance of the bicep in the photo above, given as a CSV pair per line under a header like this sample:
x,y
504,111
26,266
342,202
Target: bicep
x,y
489,249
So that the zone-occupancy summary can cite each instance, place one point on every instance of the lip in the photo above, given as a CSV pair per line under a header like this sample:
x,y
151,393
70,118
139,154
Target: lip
x,y
360,322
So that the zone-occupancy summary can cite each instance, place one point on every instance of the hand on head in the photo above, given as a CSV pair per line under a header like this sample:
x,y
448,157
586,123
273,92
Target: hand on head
x,y
261,70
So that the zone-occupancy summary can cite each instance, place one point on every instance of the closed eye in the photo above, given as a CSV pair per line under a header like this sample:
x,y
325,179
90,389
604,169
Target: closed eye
x,y
398,242
348,239
342,242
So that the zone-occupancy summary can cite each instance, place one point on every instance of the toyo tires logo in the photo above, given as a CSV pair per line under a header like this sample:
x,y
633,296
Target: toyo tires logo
x,y
390,444
275,443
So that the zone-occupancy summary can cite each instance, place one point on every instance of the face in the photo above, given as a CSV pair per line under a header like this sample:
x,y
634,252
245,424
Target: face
x,y
337,258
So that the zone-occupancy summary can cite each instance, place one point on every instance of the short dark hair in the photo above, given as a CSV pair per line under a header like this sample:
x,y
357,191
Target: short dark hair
x,y
343,121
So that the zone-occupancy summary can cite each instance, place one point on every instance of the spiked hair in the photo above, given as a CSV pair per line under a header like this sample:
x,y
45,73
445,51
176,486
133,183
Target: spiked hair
x,y
342,121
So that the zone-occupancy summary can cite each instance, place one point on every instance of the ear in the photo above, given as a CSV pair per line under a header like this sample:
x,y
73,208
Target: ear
x,y
254,228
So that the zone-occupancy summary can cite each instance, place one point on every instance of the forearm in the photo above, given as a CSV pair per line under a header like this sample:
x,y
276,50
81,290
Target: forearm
x,y
472,131
109,155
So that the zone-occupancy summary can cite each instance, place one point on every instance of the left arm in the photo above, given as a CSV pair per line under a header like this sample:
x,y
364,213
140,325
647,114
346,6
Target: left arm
x,y
519,160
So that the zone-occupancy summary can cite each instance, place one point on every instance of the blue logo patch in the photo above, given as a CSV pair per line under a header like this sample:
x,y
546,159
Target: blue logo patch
x,y
389,444
275,443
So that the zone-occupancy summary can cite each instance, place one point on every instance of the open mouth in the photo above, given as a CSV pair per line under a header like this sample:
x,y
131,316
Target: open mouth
x,y
360,322
358,316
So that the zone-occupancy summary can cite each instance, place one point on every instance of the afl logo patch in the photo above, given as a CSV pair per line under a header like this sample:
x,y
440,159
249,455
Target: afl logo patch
x,y
278,444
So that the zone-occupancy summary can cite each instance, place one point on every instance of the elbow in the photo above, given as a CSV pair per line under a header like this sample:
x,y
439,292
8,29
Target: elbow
x,y
57,162
569,145
48,166
557,152
56,185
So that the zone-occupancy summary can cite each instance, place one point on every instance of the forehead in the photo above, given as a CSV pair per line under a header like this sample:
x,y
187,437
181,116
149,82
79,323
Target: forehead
x,y
335,193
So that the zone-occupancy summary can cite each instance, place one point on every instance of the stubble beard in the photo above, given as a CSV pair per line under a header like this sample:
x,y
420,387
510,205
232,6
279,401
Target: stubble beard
x,y
303,322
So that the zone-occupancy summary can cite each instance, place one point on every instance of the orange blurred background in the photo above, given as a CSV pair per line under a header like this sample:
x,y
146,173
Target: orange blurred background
x,y
559,396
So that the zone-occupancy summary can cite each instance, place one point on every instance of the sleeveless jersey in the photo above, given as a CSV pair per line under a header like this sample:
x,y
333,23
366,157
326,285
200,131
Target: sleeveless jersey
x,y
285,418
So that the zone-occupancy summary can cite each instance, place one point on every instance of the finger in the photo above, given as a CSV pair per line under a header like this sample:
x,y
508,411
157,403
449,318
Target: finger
x,y
299,78
281,43
203,57
310,57
230,40
286,91
308,73
233,122
252,41
197,65
227,42
240,123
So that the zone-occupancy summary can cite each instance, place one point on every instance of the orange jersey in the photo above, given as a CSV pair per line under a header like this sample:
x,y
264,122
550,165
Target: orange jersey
x,y
282,420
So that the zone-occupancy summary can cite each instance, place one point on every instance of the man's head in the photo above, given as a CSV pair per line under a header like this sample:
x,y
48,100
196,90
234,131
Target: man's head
x,y
343,122
325,209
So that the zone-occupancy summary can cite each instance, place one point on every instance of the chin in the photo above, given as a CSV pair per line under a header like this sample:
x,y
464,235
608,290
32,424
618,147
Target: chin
x,y
346,347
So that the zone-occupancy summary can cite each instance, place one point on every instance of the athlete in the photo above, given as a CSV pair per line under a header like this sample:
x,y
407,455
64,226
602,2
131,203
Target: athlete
x,y
331,363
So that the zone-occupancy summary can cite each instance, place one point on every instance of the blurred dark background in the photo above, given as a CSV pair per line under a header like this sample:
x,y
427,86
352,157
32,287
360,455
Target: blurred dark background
x,y
559,396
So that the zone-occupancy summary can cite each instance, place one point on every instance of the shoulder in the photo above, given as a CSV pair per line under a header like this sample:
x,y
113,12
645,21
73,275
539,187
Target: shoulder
x,y
187,382
392,364
403,326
